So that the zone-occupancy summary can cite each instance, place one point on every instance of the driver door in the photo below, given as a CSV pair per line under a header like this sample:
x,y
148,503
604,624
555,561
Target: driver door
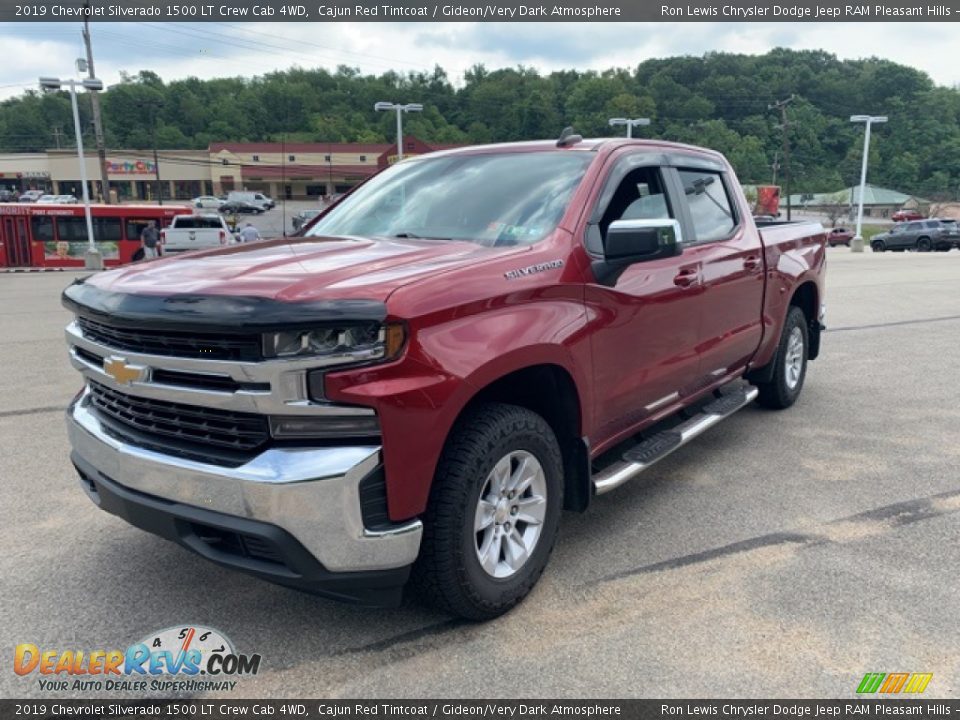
x,y
646,326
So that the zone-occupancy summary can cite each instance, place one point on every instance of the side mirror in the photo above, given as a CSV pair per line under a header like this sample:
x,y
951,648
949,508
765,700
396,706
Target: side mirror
x,y
634,241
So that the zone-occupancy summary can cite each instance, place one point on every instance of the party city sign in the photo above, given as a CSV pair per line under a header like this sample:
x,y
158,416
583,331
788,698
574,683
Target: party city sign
x,y
131,167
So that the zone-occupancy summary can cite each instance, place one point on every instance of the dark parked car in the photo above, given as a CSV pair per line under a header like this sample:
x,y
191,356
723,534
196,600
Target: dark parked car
x,y
839,236
302,218
240,207
919,235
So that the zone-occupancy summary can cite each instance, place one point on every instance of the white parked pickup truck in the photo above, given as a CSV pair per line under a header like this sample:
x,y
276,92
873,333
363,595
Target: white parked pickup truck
x,y
195,232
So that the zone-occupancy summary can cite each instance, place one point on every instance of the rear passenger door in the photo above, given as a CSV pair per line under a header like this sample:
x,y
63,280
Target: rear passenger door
x,y
730,256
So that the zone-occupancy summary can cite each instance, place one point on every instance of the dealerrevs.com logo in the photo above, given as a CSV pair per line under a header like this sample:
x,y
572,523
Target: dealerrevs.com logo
x,y
188,658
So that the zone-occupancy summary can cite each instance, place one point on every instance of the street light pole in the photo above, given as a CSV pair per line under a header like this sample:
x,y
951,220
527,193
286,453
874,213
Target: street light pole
x,y
400,109
94,258
630,123
856,244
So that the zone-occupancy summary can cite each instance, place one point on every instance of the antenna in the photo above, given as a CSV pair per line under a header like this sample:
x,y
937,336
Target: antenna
x,y
568,137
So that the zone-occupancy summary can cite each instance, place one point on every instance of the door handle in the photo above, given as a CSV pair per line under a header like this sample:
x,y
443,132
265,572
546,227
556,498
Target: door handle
x,y
751,263
686,277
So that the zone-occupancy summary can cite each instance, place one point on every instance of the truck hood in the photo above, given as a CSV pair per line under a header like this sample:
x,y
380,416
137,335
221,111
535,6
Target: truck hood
x,y
300,269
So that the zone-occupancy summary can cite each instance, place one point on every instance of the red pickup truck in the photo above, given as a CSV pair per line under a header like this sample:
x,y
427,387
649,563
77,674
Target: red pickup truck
x,y
464,346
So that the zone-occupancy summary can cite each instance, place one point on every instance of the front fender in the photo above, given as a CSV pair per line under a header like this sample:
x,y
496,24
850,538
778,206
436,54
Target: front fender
x,y
419,398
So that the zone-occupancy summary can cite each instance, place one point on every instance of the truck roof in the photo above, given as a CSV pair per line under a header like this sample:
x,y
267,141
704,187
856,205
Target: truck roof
x,y
585,145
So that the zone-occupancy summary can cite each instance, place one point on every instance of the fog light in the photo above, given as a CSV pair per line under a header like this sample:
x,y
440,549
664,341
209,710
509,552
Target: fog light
x,y
328,426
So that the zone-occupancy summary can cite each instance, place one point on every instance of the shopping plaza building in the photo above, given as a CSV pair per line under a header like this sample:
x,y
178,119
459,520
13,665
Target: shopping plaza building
x,y
281,170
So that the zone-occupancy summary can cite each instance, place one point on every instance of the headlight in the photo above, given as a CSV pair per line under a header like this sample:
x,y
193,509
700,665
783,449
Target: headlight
x,y
357,342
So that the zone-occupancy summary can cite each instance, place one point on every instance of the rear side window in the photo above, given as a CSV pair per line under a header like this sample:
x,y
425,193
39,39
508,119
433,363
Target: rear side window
x,y
914,226
710,207
196,223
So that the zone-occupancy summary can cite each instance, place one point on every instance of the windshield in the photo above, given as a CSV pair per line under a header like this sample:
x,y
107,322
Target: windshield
x,y
490,199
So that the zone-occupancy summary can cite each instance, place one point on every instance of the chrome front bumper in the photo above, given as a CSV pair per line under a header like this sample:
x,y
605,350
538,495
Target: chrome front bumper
x,y
311,493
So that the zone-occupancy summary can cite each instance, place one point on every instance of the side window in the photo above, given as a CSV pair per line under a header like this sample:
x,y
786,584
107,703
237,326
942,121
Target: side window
x,y
135,226
72,229
710,208
913,227
42,228
932,224
106,229
640,196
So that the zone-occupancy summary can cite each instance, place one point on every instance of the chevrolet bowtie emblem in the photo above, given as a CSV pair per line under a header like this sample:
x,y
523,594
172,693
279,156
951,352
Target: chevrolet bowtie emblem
x,y
119,370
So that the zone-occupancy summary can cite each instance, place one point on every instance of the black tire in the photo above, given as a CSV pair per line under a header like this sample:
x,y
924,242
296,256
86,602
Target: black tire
x,y
878,246
924,245
448,573
779,394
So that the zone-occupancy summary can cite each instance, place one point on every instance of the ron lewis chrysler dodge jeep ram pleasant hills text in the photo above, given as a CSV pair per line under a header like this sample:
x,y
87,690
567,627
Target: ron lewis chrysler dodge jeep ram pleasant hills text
x,y
416,386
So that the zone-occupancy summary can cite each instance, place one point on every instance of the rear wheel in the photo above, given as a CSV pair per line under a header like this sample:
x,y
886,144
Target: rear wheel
x,y
493,513
790,367
878,246
924,245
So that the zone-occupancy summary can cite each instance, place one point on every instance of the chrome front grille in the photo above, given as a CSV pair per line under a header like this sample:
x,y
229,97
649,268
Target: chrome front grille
x,y
187,430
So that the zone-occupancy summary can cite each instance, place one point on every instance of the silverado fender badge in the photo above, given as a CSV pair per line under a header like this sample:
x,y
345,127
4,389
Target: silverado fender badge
x,y
531,269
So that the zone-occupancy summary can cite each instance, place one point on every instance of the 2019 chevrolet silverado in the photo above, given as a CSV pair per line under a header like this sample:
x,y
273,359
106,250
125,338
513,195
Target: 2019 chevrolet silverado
x,y
464,346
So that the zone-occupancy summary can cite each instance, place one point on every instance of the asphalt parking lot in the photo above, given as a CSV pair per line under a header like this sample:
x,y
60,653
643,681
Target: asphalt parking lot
x,y
273,222
781,555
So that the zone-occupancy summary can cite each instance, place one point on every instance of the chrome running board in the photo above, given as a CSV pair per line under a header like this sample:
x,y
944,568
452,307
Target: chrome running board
x,y
641,456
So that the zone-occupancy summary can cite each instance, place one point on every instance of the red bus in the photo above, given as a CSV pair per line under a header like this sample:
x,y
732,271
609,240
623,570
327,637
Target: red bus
x,y
56,235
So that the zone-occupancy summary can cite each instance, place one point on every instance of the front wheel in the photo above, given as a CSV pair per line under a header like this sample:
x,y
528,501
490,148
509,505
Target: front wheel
x,y
923,245
493,513
790,370
878,246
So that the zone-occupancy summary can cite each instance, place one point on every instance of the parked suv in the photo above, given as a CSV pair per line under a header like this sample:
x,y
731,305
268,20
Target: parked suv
x,y
264,202
919,235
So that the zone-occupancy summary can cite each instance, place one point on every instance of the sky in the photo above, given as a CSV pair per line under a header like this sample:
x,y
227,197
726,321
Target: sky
x,y
177,50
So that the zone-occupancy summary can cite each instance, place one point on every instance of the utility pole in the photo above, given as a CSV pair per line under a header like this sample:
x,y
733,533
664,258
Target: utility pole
x,y
95,106
785,125
775,166
57,132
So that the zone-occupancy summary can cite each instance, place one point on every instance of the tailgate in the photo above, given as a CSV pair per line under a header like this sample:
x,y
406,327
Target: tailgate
x,y
182,240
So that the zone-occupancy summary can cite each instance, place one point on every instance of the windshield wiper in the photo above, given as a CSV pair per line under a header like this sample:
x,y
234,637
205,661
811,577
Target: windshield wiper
x,y
414,236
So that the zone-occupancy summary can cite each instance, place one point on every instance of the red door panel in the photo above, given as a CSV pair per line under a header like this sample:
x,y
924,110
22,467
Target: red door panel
x,y
644,336
733,290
